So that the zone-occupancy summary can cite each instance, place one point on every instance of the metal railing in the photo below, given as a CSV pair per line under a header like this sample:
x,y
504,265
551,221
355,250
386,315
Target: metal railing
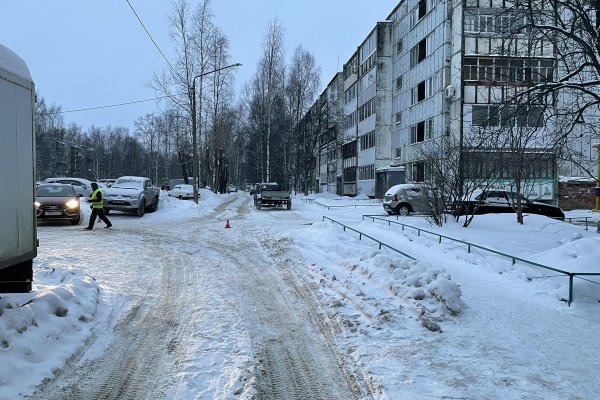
x,y
361,234
514,259
329,207
575,220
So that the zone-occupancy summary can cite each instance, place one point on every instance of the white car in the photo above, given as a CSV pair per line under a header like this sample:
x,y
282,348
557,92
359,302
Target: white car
x,y
182,191
81,186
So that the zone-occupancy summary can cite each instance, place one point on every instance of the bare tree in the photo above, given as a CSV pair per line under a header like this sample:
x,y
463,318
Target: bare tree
x,y
301,87
269,79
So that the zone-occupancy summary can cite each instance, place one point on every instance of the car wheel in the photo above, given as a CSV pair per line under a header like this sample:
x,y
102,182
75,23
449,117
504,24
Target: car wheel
x,y
180,197
141,209
289,205
76,221
154,205
403,210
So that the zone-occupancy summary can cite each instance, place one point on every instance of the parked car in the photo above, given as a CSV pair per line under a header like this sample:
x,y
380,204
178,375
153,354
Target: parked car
x,y
232,189
107,182
182,191
81,186
503,201
57,202
132,194
405,199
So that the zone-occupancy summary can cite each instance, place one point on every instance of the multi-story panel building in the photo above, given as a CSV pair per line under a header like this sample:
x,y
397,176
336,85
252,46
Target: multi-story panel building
x,y
330,165
367,107
439,69
421,72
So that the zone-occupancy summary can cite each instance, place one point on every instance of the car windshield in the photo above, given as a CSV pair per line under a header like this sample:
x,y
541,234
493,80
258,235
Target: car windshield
x,y
270,187
128,184
512,196
54,191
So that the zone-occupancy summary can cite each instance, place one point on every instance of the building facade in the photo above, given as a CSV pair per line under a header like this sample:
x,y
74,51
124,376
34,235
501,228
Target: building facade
x,y
439,70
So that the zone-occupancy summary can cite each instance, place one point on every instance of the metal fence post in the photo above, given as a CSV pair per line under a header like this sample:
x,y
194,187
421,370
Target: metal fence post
x,y
570,289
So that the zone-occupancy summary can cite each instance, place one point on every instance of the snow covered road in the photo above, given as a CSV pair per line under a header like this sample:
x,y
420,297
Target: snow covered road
x,y
284,306
205,312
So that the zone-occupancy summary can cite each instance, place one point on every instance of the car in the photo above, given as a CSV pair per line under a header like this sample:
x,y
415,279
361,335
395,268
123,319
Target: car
x,y
57,202
182,191
81,186
504,201
232,189
135,194
107,182
404,199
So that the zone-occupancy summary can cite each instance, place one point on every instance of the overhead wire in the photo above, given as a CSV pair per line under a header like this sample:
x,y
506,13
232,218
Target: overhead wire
x,y
107,106
158,48
150,36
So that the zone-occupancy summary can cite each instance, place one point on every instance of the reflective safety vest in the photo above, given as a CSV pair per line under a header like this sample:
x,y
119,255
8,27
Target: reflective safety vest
x,y
97,195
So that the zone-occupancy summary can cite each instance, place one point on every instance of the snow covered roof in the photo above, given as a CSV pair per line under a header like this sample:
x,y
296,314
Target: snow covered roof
x,y
14,64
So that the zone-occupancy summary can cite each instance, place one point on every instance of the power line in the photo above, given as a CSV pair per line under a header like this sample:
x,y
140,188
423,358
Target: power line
x,y
150,36
107,106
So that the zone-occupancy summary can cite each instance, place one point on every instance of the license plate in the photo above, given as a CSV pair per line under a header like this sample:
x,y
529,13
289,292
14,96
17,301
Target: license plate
x,y
52,213
119,202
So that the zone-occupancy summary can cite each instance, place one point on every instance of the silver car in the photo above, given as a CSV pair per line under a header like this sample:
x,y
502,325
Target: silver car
x,y
81,186
405,199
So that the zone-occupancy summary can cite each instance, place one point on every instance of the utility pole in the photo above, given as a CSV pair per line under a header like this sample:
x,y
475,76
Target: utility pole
x,y
194,128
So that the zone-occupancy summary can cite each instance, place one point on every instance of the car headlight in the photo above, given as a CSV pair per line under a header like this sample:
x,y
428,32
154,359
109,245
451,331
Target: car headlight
x,y
72,203
37,204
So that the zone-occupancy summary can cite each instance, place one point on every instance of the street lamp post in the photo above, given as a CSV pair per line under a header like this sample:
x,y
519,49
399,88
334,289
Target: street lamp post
x,y
194,129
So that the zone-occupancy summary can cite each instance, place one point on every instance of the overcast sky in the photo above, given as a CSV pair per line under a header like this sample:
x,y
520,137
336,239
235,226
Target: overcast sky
x,y
84,54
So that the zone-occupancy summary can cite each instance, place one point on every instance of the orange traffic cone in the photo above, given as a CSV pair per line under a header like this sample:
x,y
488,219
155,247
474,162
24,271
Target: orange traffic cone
x,y
227,224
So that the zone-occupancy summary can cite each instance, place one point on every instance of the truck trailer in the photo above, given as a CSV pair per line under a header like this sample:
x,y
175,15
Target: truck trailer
x,y
18,236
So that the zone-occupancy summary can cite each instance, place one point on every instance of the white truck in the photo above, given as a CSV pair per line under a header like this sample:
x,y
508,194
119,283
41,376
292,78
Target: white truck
x,y
134,194
18,235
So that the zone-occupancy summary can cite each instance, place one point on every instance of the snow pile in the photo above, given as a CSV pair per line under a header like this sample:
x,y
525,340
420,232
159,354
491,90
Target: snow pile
x,y
426,289
42,329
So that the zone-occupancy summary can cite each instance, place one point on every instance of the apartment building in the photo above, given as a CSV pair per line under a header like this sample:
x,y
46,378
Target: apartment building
x,y
440,69
329,160
367,106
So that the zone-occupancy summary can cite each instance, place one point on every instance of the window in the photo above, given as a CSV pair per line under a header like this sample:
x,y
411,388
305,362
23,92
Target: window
x,y
398,118
367,140
418,172
422,91
421,131
418,53
399,46
504,69
489,115
366,110
398,152
366,172
399,82
422,8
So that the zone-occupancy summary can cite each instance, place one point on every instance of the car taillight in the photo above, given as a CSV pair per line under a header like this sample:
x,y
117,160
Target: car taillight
x,y
395,198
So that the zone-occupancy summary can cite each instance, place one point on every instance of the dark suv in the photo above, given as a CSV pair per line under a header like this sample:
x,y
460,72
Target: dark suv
x,y
502,201
57,202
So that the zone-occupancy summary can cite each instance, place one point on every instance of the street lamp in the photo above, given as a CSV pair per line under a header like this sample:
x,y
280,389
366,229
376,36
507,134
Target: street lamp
x,y
194,135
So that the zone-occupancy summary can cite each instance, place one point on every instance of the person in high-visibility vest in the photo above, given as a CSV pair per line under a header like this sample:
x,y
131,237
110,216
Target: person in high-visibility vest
x,y
97,205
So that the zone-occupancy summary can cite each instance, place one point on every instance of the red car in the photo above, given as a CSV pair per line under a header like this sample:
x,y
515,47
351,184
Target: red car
x,y
57,202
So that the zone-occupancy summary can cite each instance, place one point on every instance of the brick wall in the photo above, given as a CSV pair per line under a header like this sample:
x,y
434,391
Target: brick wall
x,y
576,195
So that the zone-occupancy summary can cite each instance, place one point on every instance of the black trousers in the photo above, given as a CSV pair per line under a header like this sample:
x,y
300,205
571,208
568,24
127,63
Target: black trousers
x,y
98,212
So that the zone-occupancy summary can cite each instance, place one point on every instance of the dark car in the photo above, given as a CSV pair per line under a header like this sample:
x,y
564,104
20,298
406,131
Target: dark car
x,y
502,201
57,202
